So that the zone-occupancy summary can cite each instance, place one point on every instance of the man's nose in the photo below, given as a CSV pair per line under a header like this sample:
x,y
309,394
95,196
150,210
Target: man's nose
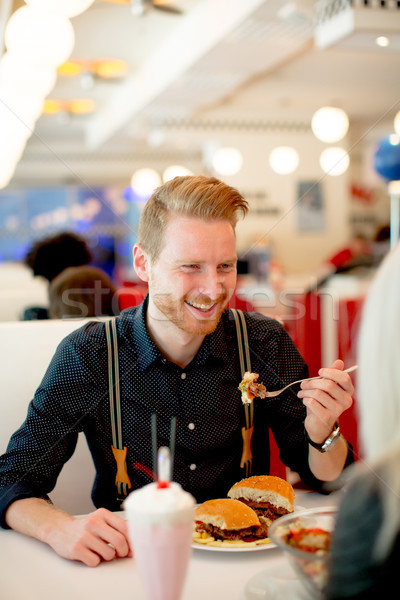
x,y
212,283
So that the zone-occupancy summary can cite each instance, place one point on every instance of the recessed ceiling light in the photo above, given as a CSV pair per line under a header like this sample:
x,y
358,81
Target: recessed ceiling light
x,y
382,41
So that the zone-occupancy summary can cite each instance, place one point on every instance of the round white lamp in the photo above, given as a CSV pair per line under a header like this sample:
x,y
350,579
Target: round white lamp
x,y
175,171
227,161
397,123
39,38
329,124
284,160
22,78
334,161
144,181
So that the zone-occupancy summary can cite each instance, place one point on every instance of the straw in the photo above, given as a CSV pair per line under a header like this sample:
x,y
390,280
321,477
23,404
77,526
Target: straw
x,y
154,444
163,459
172,437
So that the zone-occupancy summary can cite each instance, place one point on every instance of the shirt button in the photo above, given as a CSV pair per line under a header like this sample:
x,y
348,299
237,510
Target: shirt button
x,y
191,426
193,467
183,375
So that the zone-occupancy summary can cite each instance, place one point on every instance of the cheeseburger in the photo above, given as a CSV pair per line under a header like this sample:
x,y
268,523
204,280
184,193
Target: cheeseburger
x,y
225,519
270,497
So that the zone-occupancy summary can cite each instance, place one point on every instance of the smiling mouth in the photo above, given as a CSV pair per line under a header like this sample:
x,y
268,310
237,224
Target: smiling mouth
x,y
202,306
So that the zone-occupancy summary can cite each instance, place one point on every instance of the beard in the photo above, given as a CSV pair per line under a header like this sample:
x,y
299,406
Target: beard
x,y
183,315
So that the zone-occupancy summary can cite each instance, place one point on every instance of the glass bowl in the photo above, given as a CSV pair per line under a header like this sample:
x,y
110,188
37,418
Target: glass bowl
x,y
311,567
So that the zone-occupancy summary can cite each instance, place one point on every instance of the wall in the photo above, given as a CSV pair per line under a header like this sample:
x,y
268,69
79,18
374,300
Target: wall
x,y
274,207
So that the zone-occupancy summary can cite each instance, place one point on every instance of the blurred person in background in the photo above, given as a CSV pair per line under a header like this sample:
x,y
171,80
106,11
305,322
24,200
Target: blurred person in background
x,y
82,292
48,257
366,541
356,253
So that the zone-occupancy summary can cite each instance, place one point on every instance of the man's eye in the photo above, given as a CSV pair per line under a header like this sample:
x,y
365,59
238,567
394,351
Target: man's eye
x,y
227,266
190,267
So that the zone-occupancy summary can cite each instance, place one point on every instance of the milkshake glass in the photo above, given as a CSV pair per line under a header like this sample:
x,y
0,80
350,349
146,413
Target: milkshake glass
x,y
160,520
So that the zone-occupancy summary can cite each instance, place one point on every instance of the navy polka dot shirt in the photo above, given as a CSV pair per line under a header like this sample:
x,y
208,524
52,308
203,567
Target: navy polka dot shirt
x,y
204,396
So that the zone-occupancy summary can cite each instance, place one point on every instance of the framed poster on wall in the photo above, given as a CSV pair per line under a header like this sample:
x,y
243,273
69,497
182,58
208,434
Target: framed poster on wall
x,y
310,206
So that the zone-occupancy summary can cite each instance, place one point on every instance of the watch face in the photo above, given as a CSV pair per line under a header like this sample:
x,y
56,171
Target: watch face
x,y
331,441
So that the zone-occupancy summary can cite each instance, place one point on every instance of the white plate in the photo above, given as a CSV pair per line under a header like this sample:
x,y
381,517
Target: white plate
x,y
240,548
232,548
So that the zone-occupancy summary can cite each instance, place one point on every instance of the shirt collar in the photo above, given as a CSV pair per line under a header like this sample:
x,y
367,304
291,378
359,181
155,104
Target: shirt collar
x,y
214,346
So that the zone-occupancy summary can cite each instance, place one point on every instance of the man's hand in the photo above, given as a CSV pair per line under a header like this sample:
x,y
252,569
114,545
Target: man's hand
x,y
326,399
100,535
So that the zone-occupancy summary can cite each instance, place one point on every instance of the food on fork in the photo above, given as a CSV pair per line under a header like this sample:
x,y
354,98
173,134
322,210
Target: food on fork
x,y
250,388
224,522
269,496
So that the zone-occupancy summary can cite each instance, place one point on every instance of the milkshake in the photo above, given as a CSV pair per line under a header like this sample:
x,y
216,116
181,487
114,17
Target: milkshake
x,y
160,519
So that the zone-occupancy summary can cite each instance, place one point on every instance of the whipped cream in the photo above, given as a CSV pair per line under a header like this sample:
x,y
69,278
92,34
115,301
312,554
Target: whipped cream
x,y
152,504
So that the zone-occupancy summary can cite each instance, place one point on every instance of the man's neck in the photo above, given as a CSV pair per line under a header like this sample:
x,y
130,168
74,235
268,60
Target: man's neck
x,y
175,344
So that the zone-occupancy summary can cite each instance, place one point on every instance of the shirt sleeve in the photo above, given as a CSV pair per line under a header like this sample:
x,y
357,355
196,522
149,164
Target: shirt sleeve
x,y
38,450
285,414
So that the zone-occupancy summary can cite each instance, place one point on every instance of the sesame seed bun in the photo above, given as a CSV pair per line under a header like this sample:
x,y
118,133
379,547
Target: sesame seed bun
x,y
226,514
265,488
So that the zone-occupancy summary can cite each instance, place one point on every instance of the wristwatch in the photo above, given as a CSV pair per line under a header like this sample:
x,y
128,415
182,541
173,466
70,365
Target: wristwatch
x,y
330,441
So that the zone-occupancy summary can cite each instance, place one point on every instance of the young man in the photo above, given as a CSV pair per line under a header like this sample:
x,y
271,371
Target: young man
x,y
178,357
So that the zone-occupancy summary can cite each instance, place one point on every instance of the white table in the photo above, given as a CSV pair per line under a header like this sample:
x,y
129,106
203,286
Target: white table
x,y
30,570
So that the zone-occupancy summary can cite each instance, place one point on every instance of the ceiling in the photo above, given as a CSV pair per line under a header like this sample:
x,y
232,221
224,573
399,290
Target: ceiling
x,y
221,65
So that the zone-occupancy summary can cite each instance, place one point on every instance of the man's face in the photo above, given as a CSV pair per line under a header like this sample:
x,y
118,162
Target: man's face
x,y
194,277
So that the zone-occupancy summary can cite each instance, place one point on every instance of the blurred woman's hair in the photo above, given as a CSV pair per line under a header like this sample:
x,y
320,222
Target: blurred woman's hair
x,y
50,256
378,391
190,196
82,292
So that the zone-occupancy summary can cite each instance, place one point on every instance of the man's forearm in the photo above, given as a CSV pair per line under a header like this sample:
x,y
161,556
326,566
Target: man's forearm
x,y
100,535
35,517
327,466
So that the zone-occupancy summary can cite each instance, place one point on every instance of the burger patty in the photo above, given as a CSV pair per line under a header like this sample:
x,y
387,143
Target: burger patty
x,y
265,509
231,534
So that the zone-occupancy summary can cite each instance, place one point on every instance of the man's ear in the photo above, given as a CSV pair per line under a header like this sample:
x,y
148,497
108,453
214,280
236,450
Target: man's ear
x,y
141,263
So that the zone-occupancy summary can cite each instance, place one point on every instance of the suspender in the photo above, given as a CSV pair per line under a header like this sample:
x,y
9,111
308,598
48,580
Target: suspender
x,y
122,480
245,365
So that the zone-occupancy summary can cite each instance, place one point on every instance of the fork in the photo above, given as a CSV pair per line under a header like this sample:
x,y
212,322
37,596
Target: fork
x,y
277,392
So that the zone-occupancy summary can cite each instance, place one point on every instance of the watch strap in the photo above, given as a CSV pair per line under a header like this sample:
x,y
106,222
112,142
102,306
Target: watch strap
x,y
329,442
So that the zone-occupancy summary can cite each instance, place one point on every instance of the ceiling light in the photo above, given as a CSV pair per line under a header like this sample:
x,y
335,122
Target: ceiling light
x,y
144,181
329,124
382,41
175,171
397,123
284,160
52,107
38,37
22,78
334,161
227,161
111,68
77,106
107,68
81,106
71,68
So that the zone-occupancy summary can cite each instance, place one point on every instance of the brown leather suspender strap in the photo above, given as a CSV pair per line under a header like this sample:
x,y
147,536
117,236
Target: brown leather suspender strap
x,y
122,480
245,365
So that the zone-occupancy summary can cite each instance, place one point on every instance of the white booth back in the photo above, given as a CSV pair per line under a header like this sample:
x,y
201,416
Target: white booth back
x,y
26,349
